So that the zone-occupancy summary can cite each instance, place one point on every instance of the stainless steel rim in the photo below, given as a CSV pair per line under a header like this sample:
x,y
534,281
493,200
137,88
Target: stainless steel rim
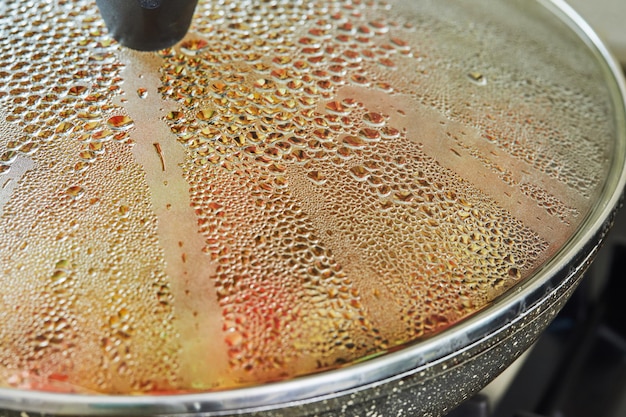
x,y
565,264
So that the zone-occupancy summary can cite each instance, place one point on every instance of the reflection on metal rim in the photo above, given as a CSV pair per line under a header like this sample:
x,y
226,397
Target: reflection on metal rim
x,y
554,278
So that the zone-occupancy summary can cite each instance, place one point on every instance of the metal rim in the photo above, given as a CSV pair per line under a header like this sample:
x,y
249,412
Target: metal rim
x,y
406,360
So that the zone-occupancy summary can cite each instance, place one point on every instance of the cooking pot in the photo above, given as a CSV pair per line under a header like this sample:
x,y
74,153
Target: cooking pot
x,y
139,188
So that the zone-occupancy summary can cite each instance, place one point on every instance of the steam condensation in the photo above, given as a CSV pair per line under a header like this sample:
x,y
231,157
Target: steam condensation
x,y
295,186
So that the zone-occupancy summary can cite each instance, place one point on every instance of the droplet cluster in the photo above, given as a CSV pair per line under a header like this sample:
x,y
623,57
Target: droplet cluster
x,y
524,95
335,235
85,303
553,205
327,147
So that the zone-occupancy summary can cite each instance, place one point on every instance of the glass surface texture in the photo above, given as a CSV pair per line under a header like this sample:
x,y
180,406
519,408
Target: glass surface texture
x,y
294,187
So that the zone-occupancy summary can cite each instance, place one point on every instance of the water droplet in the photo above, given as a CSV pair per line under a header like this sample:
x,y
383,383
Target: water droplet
x,y
77,90
386,62
120,122
8,157
58,277
97,147
102,135
353,142
205,115
374,119
63,127
337,107
87,155
389,132
81,166
477,78
191,47
400,43
75,192
317,177
370,135
123,211
29,148
62,264
359,173
175,116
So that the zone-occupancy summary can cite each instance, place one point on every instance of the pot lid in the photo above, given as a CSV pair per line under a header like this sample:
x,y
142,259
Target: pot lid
x,y
293,187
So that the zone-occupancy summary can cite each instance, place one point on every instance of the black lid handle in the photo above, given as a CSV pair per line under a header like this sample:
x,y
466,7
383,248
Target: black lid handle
x,y
147,25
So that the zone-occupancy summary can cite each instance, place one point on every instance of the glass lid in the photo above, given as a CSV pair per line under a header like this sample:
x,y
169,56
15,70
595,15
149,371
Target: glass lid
x,y
294,187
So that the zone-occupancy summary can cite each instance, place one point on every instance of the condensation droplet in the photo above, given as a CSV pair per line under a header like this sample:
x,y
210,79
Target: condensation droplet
x,y
477,78
75,192
120,122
